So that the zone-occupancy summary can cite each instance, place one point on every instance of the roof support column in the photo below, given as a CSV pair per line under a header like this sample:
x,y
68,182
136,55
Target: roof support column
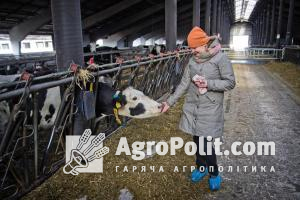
x,y
290,22
219,17
264,25
16,47
222,21
271,41
227,29
171,24
214,19
261,37
257,31
226,26
196,13
207,16
267,21
279,24
66,18
254,31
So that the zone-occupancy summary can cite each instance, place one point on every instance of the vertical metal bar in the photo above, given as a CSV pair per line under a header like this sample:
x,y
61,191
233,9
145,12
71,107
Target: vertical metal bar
x,y
219,17
267,21
279,24
196,13
35,136
214,20
264,25
261,29
290,22
271,41
207,16
254,32
171,24
257,30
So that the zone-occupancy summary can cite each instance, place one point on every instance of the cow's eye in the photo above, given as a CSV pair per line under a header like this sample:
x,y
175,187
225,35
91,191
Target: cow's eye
x,y
134,98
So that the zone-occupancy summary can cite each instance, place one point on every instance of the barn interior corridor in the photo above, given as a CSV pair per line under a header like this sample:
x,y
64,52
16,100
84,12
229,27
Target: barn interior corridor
x,y
80,79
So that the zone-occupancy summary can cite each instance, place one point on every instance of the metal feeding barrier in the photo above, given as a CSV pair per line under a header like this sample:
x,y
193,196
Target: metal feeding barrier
x,y
28,154
254,54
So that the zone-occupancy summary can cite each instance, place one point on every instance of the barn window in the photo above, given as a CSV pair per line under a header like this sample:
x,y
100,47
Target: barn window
x,y
40,44
48,44
100,42
26,45
5,46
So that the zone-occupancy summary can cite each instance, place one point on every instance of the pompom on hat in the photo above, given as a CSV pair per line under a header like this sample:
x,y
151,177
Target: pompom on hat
x,y
197,37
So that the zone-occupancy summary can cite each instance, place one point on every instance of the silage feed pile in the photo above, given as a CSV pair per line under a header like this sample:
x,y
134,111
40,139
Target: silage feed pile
x,y
287,71
143,185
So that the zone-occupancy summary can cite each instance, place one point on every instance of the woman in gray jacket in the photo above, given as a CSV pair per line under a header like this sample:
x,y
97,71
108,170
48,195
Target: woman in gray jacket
x,y
207,75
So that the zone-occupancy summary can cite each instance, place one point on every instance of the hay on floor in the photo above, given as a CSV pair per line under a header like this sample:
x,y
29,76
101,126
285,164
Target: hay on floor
x,y
143,185
287,71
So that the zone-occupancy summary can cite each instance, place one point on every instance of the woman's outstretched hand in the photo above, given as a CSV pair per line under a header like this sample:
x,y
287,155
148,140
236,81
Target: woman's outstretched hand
x,y
165,107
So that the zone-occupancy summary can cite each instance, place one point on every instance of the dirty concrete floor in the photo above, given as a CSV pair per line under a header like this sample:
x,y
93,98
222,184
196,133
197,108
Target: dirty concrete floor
x,y
261,109
258,109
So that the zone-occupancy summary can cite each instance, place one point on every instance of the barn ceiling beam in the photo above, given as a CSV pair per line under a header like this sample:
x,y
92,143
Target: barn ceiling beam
x,y
107,30
104,14
123,24
185,21
138,28
20,31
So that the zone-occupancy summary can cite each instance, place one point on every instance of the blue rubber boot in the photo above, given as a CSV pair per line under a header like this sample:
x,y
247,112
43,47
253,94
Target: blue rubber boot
x,y
215,182
197,175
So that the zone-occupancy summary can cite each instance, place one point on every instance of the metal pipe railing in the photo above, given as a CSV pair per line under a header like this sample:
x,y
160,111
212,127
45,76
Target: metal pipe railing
x,y
109,65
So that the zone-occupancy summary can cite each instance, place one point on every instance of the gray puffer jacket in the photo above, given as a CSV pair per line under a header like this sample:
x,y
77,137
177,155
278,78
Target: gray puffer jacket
x,y
203,114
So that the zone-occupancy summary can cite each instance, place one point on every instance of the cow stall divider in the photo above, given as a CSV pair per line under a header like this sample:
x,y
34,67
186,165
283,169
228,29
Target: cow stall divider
x,y
30,154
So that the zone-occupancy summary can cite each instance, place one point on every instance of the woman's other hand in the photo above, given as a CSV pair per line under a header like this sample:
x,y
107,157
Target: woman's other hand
x,y
165,107
201,83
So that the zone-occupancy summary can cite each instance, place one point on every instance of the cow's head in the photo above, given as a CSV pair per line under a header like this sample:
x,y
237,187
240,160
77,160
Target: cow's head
x,y
137,105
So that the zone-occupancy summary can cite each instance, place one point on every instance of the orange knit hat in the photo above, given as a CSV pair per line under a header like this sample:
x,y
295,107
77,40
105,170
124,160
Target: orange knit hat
x,y
197,37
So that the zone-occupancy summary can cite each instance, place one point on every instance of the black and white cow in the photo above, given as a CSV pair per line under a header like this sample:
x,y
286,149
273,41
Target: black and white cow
x,y
48,103
134,104
158,49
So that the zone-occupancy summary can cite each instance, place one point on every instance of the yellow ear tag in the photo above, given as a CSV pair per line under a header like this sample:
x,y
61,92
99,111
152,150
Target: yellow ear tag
x,y
91,87
117,116
118,105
